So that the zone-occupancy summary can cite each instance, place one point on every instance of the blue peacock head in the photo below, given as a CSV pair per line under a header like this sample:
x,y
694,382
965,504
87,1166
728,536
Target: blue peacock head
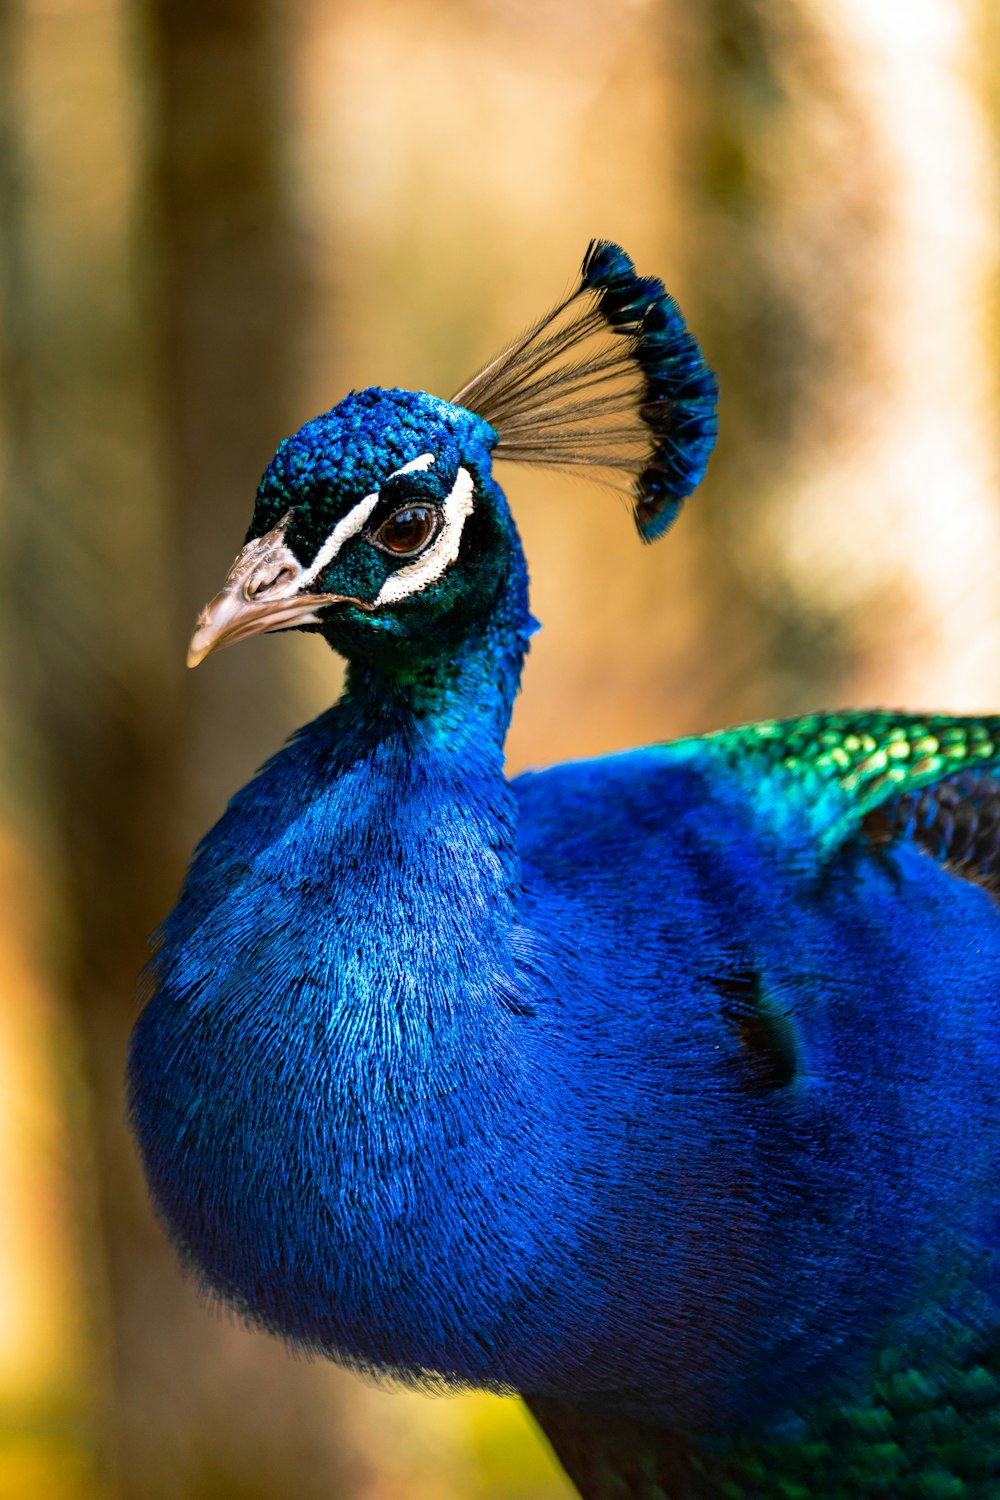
x,y
380,521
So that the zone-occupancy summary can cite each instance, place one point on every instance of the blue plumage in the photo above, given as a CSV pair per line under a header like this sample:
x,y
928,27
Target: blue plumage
x,y
661,1088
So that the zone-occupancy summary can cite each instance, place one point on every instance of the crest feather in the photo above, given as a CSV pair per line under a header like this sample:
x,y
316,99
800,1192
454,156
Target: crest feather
x,y
611,378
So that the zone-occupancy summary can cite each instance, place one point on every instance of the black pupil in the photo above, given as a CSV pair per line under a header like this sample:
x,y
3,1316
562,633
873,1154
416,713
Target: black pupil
x,y
407,530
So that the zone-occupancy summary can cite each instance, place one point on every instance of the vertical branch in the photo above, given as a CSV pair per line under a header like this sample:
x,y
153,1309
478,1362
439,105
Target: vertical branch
x,y
234,300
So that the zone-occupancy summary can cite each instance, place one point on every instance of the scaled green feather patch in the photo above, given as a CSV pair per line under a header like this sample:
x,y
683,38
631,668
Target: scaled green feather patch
x,y
846,764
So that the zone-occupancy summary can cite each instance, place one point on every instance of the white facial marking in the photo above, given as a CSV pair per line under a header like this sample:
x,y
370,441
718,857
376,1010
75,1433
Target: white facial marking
x,y
349,526
415,465
417,575
352,523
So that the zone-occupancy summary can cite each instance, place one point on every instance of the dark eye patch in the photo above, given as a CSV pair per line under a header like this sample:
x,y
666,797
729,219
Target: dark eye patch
x,y
418,497
308,524
420,487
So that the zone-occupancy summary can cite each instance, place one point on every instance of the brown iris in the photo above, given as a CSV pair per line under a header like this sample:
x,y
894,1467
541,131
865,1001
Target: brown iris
x,y
406,531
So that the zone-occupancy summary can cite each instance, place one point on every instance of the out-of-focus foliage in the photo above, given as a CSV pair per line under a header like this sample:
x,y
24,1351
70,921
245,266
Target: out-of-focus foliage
x,y
214,219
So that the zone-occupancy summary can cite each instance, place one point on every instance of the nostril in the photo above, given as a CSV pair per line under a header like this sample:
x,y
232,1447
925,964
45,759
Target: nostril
x,y
269,580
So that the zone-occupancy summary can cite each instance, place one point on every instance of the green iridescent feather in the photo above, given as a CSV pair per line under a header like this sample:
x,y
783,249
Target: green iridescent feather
x,y
841,766
926,1431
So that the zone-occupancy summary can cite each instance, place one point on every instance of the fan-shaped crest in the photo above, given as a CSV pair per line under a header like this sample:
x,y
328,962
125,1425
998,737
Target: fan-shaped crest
x,y
611,378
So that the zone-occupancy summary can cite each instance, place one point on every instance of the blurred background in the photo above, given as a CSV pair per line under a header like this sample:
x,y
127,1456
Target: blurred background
x,y
216,216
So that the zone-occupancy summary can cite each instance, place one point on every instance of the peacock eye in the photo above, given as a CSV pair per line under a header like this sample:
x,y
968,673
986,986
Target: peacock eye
x,y
407,531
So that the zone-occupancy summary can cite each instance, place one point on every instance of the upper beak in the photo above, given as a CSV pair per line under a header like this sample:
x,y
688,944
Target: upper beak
x,y
265,589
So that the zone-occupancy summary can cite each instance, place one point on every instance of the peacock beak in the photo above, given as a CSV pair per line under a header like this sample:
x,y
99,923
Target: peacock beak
x,y
229,618
266,589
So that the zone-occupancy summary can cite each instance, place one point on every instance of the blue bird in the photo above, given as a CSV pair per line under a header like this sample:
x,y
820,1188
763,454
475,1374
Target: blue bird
x,y
660,1088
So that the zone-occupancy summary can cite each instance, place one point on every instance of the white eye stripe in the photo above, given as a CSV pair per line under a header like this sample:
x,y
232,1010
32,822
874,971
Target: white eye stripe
x,y
347,527
415,466
352,523
417,575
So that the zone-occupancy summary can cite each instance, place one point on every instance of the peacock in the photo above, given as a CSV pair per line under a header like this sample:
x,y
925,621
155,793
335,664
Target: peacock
x,y
659,1088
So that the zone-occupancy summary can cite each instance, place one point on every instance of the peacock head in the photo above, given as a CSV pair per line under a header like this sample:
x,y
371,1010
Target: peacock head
x,y
379,523
376,522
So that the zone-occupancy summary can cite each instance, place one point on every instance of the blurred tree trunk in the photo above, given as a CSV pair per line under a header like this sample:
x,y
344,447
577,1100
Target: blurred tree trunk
x,y
840,178
157,270
786,238
232,316
52,1397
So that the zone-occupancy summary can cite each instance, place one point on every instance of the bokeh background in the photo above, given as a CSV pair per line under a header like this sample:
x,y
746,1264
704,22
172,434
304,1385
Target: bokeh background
x,y
215,217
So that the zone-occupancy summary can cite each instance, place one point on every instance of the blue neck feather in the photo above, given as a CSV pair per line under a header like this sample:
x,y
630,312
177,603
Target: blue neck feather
x,y
463,699
336,988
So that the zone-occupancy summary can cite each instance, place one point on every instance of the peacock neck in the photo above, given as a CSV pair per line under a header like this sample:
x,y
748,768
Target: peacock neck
x,y
414,816
341,985
450,698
